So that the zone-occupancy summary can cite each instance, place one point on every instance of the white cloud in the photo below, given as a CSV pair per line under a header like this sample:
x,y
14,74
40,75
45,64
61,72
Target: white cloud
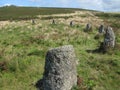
x,y
94,4
103,5
88,4
7,4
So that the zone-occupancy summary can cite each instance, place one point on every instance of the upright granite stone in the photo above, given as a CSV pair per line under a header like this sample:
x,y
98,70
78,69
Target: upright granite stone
x,y
88,28
60,69
101,29
53,21
71,23
109,39
33,21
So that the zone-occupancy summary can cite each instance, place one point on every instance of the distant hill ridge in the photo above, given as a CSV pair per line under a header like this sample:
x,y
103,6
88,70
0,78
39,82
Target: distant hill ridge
x,y
20,13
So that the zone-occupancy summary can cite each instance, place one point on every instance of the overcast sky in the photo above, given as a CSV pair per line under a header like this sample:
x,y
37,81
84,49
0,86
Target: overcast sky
x,y
101,5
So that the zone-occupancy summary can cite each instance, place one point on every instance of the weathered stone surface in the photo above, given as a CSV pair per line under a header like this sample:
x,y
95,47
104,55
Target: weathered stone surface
x,y
60,69
109,39
101,29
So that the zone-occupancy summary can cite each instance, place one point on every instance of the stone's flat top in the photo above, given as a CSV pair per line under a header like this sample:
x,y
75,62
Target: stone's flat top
x,y
63,48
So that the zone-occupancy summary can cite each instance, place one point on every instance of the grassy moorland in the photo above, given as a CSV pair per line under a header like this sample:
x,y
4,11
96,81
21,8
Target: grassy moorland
x,y
25,13
23,47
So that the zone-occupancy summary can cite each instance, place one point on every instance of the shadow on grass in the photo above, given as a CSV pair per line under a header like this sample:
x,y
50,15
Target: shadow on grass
x,y
100,49
103,50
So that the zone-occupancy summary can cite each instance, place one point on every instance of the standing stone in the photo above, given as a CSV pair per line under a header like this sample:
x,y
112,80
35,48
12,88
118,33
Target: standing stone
x,y
101,29
88,27
33,22
109,39
71,23
60,69
53,21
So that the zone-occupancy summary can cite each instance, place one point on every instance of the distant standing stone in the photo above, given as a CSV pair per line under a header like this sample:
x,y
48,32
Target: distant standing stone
x,y
60,69
53,21
109,39
71,23
101,29
33,22
88,27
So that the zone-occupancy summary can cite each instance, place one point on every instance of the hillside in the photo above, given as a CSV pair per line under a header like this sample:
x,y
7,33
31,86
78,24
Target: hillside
x,y
25,13
23,47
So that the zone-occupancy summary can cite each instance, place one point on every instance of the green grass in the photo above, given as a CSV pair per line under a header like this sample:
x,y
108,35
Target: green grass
x,y
108,15
23,47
